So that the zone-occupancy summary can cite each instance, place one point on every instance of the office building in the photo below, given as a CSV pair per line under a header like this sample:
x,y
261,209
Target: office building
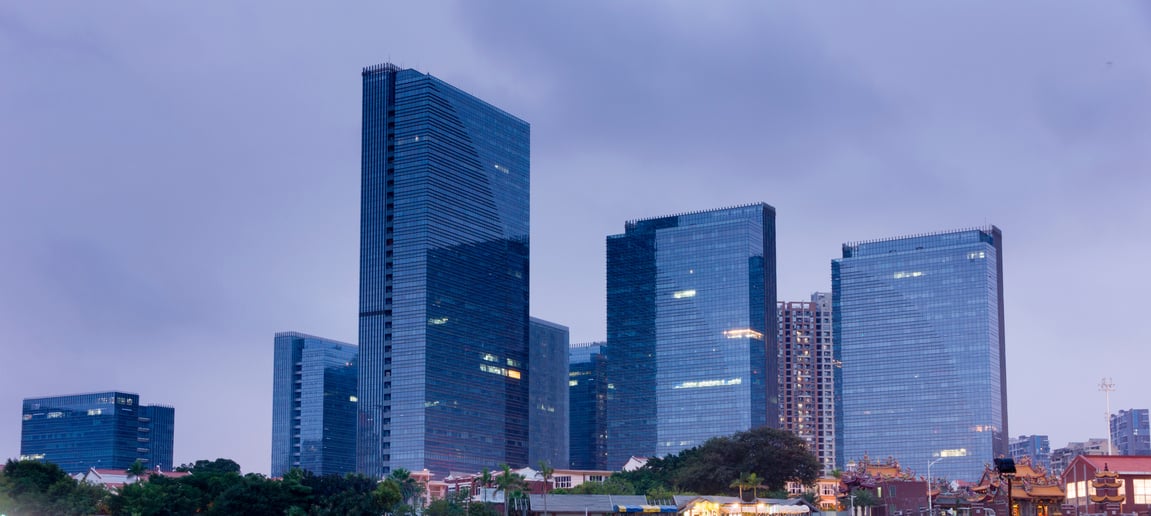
x,y
1130,433
548,394
443,278
919,332
688,331
1061,458
806,371
1038,447
587,399
98,430
313,405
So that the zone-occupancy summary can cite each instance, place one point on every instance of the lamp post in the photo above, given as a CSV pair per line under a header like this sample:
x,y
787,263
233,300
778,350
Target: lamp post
x,y
929,464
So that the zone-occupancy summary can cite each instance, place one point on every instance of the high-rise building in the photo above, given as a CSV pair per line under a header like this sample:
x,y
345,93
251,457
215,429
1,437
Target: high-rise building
x,y
688,331
443,278
919,332
98,430
313,405
1062,457
548,394
1038,447
587,387
806,372
1130,433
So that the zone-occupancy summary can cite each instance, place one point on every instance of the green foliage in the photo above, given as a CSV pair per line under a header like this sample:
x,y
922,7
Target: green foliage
x,y
481,509
864,498
211,466
768,458
388,493
613,485
31,487
137,469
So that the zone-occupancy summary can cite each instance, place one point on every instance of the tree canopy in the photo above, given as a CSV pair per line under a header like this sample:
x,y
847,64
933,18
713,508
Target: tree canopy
x,y
773,456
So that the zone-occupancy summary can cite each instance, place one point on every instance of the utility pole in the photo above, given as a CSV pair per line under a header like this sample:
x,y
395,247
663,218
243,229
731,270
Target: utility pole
x,y
1107,386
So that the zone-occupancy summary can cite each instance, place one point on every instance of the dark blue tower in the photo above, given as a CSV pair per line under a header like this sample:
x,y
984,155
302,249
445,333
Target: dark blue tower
x,y
691,351
443,278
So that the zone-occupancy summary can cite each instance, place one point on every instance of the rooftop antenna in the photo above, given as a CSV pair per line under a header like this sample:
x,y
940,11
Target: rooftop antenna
x,y
1107,386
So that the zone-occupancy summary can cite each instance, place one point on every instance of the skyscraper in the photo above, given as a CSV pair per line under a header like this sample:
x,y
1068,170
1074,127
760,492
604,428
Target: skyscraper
x,y
919,329
688,331
313,405
587,387
1038,447
443,278
548,394
1130,432
97,430
806,370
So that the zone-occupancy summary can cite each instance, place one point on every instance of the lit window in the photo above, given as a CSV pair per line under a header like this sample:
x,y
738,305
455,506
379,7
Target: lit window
x,y
743,333
683,294
353,399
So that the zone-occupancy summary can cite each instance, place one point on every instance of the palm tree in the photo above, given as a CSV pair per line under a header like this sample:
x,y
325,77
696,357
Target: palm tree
x,y
546,471
485,482
509,483
409,487
756,483
743,481
136,470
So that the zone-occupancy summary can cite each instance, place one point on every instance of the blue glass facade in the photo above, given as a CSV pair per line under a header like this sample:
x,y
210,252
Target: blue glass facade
x,y
587,399
443,278
548,394
100,430
313,405
1131,432
688,304
1037,447
918,324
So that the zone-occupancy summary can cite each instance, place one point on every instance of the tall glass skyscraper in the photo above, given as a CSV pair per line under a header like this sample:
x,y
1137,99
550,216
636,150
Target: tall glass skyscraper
x,y
313,405
918,323
98,430
691,330
587,385
443,278
548,394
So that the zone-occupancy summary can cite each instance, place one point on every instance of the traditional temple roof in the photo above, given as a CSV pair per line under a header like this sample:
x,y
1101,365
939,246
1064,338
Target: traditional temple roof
x,y
867,472
1029,483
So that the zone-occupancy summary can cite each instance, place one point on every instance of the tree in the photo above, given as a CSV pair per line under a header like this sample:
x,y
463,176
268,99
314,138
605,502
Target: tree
x,y
211,466
756,484
510,484
32,487
546,471
742,482
409,487
137,469
485,482
388,494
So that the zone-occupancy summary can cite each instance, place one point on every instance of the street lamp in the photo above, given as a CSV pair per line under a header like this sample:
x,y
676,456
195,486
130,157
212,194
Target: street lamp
x,y
929,464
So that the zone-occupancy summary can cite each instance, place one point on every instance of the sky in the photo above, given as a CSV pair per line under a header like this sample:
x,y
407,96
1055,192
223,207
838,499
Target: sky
x,y
179,181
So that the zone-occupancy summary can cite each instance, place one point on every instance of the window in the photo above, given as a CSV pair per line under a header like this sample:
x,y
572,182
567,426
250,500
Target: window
x,y
1142,489
564,482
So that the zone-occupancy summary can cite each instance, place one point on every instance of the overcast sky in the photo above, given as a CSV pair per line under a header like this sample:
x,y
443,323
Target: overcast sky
x,y
179,182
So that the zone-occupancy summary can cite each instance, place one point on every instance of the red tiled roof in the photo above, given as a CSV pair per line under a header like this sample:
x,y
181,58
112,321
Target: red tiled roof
x,y
1122,464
